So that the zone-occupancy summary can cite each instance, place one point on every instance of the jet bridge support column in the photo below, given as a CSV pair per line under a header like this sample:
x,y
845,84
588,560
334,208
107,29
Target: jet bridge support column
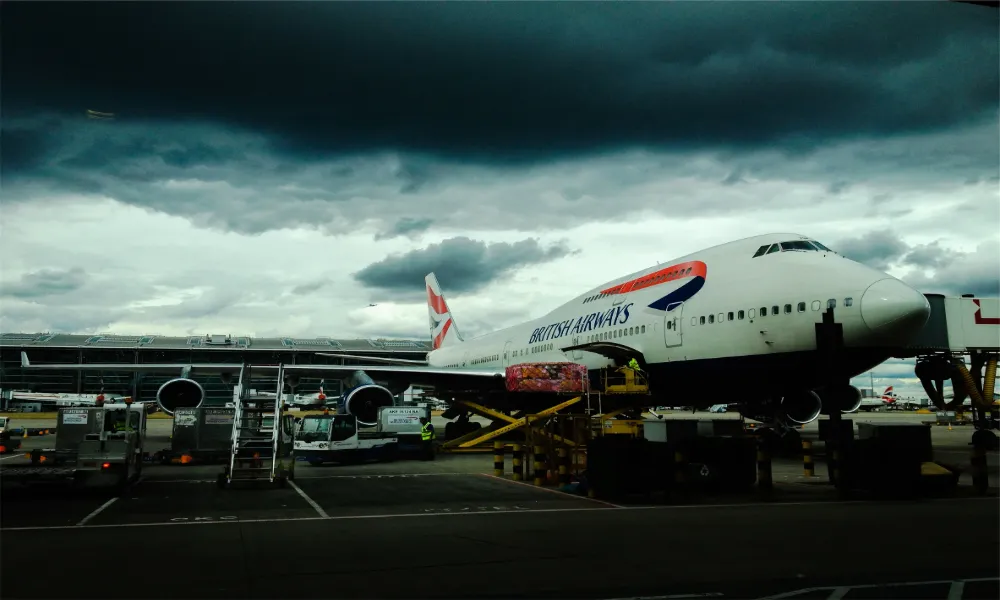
x,y
829,342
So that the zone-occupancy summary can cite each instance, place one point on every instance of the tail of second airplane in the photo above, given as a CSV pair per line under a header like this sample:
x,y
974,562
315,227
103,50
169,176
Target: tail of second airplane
x,y
444,331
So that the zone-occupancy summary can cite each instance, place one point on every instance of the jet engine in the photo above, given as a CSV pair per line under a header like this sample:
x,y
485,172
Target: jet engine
x,y
364,401
845,398
179,393
801,407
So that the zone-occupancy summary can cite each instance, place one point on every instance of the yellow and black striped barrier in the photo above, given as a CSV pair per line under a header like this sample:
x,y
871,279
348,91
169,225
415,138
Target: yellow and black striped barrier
x,y
808,466
563,466
498,452
538,468
517,465
764,478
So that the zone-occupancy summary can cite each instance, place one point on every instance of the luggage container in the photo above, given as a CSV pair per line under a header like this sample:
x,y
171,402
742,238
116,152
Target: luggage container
x,y
100,445
200,435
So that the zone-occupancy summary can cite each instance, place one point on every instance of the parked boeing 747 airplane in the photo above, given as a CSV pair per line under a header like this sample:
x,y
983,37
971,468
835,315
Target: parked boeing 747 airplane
x,y
743,313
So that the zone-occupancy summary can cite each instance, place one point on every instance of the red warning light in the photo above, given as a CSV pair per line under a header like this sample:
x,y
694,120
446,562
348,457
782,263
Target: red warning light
x,y
106,465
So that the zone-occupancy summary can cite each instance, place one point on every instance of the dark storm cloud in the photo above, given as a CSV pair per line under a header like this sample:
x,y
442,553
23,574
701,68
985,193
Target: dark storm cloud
x,y
461,264
503,82
45,282
955,272
405,227
877,249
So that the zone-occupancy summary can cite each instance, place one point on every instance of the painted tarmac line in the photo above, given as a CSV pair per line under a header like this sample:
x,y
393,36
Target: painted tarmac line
x,y
96,512
545,489
13,456
312,503
957,586
453,514
301,477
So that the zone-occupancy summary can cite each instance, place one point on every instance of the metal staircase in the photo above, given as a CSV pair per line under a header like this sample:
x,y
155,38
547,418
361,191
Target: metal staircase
x,y
256,436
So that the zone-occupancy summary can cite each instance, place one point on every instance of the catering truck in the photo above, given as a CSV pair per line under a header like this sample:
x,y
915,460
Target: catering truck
x,y
337,437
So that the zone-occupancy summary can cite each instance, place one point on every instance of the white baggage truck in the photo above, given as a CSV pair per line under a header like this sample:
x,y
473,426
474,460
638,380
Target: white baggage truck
x,y
337,438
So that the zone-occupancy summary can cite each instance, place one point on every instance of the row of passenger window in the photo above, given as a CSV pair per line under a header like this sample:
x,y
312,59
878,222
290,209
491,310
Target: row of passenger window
x,y
485,359
763,312
617,333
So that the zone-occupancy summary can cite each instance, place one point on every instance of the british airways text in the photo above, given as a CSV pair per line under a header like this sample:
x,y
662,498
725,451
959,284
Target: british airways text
x,y
614,316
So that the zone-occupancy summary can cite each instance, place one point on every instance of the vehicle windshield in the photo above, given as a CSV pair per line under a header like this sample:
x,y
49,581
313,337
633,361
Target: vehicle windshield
x,y
314,425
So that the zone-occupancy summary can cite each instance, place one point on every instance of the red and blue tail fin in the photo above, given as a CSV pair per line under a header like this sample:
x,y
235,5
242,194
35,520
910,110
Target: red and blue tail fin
x,y
444,331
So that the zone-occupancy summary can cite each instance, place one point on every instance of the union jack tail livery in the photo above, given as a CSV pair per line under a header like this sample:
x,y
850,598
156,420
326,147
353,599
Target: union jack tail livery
x,y
444,331
888,396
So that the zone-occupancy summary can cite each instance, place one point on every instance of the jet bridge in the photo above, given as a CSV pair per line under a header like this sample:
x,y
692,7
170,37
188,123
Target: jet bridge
x,y
960,326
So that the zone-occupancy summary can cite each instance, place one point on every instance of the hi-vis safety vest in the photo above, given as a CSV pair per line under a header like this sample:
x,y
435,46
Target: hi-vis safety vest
x,y
426,433
633,364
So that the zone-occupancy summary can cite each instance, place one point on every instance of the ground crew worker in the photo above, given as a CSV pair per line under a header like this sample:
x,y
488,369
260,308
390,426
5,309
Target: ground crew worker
x,y
427,437
634,365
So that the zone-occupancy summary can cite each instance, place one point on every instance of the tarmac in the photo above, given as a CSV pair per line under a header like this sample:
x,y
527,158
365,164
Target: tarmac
x,y
450,529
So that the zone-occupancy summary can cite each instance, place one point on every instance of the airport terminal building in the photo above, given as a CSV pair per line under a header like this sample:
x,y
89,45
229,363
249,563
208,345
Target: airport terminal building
x,y
106,348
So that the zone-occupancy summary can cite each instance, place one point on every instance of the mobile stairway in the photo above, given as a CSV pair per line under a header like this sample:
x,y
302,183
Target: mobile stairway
x,y
262,438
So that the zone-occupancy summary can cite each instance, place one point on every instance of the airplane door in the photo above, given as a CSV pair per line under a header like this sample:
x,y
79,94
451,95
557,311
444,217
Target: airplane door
x,y
506,354
576,354
672,323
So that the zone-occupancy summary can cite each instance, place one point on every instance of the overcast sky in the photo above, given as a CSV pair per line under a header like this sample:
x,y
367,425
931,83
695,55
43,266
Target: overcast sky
x,y
276,168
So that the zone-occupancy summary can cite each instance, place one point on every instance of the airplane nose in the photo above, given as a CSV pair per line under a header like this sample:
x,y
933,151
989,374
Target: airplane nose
x,y
890,307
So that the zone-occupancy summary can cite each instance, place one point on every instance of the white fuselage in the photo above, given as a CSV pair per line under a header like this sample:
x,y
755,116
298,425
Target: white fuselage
x,y
732,316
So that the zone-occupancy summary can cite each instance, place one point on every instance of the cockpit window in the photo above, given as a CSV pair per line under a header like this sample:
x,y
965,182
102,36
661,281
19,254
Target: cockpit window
x,y
794,246
799,245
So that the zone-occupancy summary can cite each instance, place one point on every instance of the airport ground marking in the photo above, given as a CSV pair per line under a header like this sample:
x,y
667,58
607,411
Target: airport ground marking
x,y
312,503
959,589
300,477
545,489
481,513
13,456
96,512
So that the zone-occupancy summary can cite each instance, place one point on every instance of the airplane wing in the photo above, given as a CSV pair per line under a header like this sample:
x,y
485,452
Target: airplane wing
x,y
205,368
391,361
621,354
416,374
